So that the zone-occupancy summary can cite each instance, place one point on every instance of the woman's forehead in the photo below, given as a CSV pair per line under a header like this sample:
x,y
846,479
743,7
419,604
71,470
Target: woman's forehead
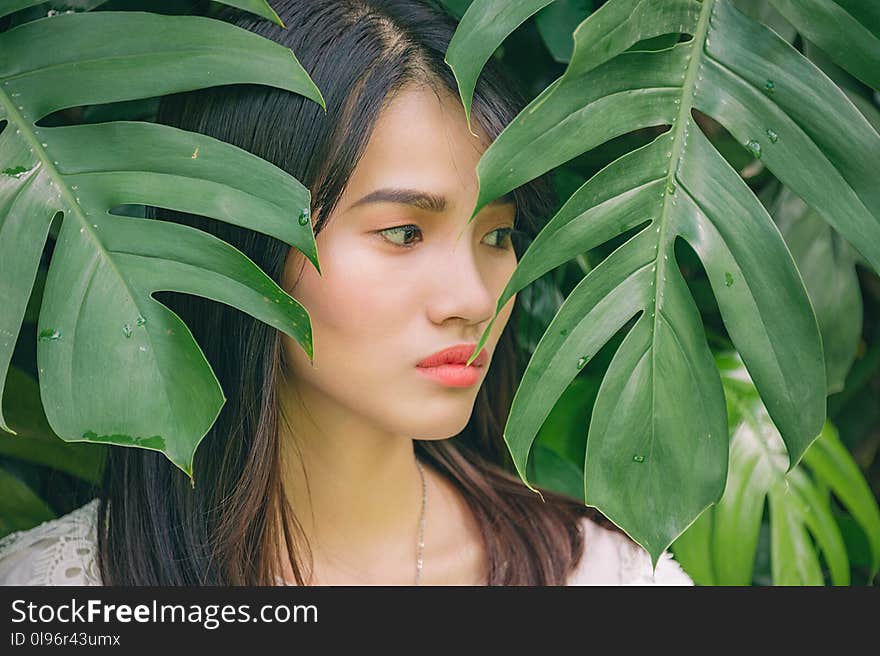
x,y
420,141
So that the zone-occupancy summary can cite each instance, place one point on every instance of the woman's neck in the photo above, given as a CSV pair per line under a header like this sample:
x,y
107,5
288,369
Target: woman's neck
x,y
357,495
355,490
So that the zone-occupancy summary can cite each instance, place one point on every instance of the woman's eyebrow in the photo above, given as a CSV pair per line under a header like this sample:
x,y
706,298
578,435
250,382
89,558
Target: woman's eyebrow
x,y
420,199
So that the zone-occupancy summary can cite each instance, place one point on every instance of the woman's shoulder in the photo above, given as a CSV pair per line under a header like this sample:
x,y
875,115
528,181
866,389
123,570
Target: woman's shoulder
x,y
611,558
59,551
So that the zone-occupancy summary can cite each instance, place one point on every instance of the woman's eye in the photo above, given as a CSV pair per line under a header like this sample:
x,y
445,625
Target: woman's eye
x,y
401,234
398,232
504,237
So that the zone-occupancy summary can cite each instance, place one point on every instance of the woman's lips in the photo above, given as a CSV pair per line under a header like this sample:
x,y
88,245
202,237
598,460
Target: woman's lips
x,y
453,374
447,366
459,353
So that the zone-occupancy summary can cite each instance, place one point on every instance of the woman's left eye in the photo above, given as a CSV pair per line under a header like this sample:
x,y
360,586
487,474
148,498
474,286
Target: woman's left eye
x,y
504,236
405,230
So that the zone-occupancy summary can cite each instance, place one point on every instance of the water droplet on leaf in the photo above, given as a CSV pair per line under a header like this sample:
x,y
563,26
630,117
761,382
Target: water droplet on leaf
x,y
754,148
638,458
770,86
126,329
16,171
728,279
49,334
583,362
772,136
140,320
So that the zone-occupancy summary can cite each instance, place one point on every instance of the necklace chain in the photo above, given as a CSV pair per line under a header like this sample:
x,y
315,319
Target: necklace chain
x,y
421,546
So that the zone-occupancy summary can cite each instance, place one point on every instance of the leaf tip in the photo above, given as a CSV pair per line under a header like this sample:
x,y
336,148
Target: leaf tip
x,y
266,11
321,100
525,480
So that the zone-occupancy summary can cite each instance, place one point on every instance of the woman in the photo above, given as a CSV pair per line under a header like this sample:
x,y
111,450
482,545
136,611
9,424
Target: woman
x,y
368,467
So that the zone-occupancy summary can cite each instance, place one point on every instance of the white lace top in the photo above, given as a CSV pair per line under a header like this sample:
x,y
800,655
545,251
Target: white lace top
x,y
62,552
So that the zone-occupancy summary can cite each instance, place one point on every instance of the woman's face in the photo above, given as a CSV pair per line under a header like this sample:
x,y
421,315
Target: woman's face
x,y
392,295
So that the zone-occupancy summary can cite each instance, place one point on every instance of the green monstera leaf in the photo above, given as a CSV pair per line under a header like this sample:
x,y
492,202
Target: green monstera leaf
x,y
720,547
20,507
115,365
828,266
258,7
657,447
847,30
34,440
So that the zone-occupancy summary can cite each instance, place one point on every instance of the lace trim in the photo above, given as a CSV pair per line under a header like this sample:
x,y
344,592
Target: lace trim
x,y
635,565
636,568
62,550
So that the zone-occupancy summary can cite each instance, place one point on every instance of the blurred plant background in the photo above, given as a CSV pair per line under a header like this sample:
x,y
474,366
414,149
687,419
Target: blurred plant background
x,y
819,525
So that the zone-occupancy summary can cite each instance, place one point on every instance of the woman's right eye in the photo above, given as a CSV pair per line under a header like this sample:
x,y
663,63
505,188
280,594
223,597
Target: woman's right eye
x,y
402,232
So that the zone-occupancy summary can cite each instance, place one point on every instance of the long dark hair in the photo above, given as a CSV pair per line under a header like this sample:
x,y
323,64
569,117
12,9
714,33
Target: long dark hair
x,y
224,531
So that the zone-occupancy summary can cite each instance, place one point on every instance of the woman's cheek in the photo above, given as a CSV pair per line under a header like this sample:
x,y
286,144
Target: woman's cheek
x,y
357,294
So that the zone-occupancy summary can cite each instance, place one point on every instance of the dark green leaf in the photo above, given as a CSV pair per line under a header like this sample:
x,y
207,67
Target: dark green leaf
x,y
20,507
557,22
848,30
654,460
116,366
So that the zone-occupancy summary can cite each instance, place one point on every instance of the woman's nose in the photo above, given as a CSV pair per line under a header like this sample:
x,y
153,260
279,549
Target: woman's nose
x,y
461,286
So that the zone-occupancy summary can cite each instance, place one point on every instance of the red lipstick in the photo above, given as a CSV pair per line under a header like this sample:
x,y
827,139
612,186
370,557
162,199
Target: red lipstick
x,y
447,366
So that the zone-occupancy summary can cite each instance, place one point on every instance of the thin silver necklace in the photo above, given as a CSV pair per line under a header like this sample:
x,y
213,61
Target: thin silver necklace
x,y
421,545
